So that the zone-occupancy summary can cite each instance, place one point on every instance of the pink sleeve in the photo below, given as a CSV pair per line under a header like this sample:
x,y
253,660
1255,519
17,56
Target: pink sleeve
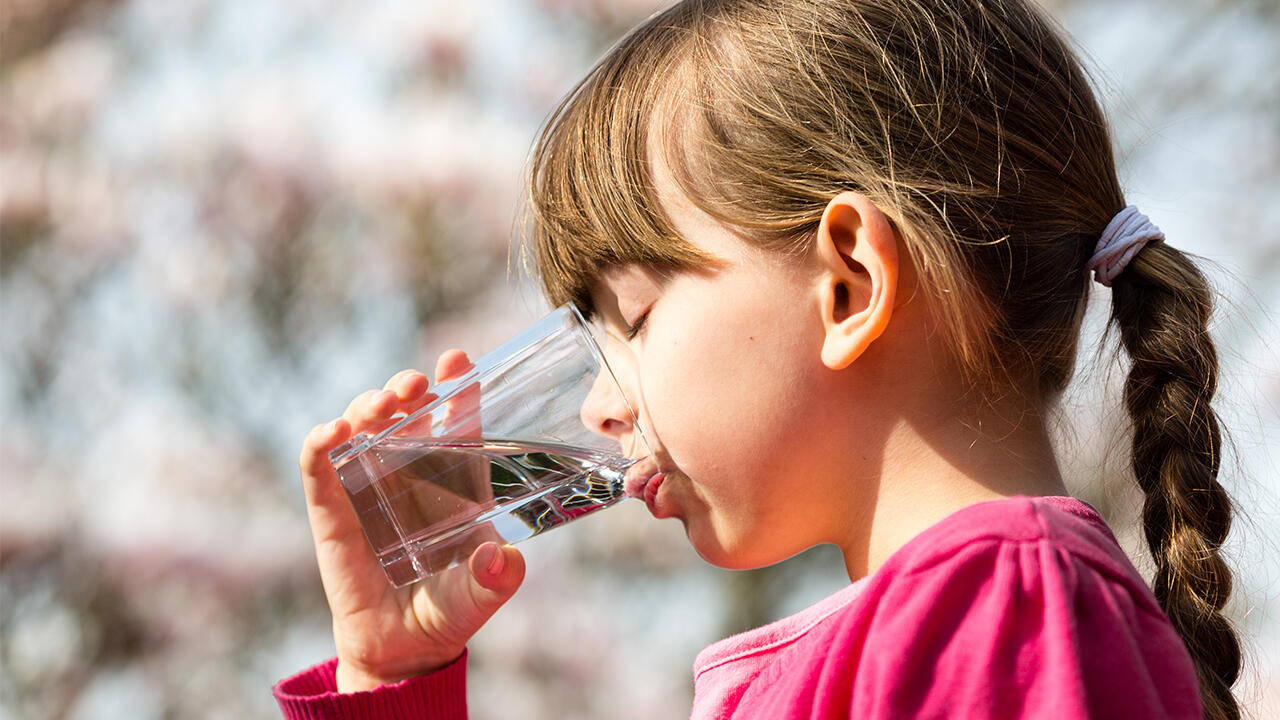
x,y
1019,629
313,695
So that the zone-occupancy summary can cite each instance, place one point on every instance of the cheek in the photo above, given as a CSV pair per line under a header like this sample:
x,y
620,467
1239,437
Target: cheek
x,y
723,400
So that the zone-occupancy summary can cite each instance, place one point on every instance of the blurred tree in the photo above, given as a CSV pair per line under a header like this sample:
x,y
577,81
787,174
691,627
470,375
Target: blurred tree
x,y
220,219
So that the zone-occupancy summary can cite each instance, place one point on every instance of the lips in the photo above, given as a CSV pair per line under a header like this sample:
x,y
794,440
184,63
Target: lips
x,y
643,481
651,492
638,476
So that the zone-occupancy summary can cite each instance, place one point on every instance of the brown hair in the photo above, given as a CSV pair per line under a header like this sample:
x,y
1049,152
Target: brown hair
x,y
971,125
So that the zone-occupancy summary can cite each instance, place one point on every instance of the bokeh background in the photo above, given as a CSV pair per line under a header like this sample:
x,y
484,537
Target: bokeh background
x,y
222,219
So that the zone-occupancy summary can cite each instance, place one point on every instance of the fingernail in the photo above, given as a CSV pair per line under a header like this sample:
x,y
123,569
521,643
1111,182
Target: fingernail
x,y
497,562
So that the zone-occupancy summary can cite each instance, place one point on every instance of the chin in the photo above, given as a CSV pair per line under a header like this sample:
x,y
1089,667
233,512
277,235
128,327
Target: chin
x,y
729,554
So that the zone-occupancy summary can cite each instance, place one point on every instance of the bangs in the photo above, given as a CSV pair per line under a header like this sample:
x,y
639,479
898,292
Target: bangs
x,y
591,200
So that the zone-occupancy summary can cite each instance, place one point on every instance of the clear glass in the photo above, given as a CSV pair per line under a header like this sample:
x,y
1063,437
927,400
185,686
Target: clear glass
x,y
502,453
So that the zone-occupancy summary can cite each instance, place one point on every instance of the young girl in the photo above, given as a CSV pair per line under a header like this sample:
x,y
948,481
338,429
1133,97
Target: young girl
x,y
842,248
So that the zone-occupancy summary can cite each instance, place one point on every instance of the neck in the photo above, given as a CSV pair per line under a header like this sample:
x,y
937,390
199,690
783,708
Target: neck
x,y
937,463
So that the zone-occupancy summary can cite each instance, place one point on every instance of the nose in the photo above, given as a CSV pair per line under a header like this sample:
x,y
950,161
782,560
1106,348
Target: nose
x,y
605,412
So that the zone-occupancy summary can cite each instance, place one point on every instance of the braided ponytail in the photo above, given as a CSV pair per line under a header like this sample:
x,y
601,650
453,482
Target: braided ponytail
x,y
1161,305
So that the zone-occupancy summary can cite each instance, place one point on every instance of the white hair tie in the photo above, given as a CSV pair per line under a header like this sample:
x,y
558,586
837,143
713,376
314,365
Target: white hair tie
x,y
1125,235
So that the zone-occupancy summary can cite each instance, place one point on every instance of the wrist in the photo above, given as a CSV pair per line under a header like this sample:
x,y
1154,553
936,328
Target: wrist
x,y
351,677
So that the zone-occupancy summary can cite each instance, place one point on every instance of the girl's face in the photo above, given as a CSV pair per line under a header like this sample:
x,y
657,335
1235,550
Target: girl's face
x,y
725,375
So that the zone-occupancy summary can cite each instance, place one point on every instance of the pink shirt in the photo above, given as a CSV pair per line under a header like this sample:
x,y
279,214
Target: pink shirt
x,y
1018,608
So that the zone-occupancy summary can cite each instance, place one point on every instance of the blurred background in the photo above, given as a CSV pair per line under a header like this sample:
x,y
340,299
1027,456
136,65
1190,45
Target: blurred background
x,y
222,219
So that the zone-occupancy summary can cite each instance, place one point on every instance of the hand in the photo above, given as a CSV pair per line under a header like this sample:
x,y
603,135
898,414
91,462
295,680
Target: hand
x,y
384,634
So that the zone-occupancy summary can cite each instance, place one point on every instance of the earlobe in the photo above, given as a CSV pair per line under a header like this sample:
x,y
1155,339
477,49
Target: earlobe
x,y
858,280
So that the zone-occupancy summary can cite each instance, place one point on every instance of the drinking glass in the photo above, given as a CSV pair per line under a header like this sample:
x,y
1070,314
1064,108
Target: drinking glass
x,y
503,453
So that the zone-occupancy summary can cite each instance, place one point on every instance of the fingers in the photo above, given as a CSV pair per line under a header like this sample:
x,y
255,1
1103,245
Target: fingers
x,y
452,364
462,415
375,410
330,512
371,411
332,518
496,573
349,570
406,392
408,385
318,476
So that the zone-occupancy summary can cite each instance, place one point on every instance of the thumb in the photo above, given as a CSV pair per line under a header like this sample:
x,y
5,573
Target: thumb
x,y
496,573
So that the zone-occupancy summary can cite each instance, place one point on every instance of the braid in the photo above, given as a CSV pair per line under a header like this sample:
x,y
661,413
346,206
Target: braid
x,y
1161,305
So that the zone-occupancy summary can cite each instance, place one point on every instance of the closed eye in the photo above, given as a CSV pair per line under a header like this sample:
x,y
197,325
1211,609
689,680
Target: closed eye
x,y
637,327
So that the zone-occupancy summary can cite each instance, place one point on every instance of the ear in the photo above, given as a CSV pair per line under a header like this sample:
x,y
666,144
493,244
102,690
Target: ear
x,y
857,252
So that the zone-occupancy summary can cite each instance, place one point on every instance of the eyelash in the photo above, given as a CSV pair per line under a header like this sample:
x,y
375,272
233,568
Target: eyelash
x,y
635,329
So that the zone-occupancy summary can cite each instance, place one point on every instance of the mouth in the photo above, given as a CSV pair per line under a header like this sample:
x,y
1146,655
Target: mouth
x,y
651,492
639,476
643,481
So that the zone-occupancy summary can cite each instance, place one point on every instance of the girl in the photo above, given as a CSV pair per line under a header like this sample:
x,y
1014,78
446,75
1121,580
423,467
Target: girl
x,y
841,249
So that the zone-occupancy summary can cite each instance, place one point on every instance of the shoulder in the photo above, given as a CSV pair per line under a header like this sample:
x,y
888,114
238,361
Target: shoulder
x,y
1008,605
1030,565
1002,531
